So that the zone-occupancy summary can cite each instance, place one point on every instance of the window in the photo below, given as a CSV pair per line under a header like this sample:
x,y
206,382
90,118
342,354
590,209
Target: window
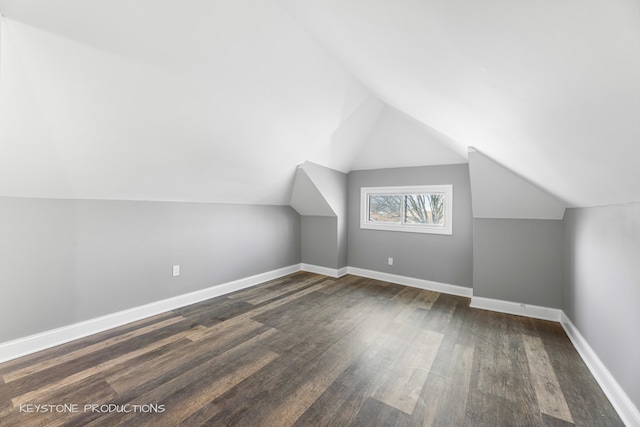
x,y
416,209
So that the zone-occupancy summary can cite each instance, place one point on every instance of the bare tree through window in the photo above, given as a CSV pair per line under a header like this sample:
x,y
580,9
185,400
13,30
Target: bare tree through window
x,y
414,209
387,208
418,208
424,208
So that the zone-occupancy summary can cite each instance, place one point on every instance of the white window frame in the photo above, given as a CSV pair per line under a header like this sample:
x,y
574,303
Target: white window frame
x,y
447,228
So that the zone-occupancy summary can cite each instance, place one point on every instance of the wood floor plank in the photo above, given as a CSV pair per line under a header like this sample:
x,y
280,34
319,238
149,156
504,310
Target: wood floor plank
x,y
94,391
495,377
408,372
275,292
501,380
278,287
550,396
430,400
405,299
376,413
413,300
65,357
304,375
64,371
44,355
549,421
205,393
53,387
133,375
442,312
333,363
334,286
342,401
590,408
179,392
425,299
273,304
233,326
314,377
488,410
215,315
454,401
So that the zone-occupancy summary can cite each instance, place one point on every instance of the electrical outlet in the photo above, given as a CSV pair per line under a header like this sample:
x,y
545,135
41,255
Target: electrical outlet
x,y
390,261
176,270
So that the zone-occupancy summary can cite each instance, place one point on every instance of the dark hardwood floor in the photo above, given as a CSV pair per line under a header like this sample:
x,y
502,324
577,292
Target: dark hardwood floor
x,y
307,350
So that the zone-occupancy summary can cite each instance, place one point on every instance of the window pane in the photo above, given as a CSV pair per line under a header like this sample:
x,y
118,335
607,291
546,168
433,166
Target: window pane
x,y
385,208
424,208
412,208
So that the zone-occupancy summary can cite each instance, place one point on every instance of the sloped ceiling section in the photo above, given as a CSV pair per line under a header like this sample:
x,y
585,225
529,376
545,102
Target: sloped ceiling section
x,y
497,192
361,112
398,140
306,198
162,100
23,143
218,101
548,88
319,191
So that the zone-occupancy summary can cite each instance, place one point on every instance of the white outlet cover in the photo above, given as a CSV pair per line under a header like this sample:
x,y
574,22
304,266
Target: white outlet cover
x,y
176,270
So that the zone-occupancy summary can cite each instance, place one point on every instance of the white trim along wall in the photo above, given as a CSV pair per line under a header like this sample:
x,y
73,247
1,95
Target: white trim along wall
x,y
517,308
37,342
623,405
619,399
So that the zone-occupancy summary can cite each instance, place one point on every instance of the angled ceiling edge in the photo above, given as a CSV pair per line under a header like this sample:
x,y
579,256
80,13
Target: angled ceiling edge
x,y
497,192
398,139
306,198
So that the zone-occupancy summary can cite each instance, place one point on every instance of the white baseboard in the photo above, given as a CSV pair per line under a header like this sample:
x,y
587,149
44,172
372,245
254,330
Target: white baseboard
x,y
413,282
618,398
519,309
343,271
326,271
33,343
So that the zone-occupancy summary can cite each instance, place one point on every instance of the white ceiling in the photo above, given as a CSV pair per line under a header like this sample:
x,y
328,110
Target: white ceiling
x,y
218,101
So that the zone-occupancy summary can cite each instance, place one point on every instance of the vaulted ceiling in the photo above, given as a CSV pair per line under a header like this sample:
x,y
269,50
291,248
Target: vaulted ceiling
x,y
218,101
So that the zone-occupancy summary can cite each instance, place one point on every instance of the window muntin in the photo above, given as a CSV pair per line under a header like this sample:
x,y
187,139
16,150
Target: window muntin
x,y
418,209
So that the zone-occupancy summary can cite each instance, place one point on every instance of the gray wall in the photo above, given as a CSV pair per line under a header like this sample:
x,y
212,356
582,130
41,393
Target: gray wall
x,y
319,240
441,258
333,186
318,189
518,260
64,261
602,286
